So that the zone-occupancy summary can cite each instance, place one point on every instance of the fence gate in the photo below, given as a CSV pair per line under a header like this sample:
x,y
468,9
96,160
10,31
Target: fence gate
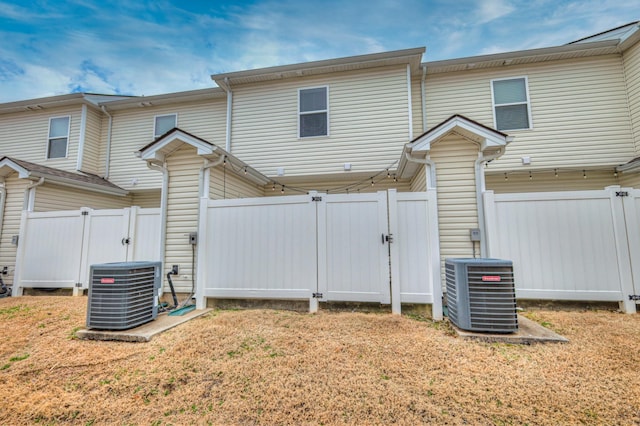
x,y
335,247
56,249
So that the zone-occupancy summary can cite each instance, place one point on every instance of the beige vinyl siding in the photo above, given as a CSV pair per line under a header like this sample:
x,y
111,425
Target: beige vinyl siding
x,y
419,181
92,142
368,123
133,129
630,180
579,111
11,223
226,184
24,135
457,206
546,181
56,197
146,199
631,59
182,212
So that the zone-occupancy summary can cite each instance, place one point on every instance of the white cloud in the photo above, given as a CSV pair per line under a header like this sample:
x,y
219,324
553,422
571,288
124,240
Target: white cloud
x,y
490,10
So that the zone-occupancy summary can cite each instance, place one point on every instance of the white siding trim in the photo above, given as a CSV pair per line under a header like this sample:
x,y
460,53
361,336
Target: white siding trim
x,y
81,138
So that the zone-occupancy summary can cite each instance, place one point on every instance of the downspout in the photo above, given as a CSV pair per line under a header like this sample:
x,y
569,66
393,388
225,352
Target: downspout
x,y
226,86
480,188
431,182
30,195
108,154
81,138
204,177
3,200
424,98
163,206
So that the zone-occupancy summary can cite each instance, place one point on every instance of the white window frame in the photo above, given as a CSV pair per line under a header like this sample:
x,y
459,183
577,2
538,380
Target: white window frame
x,y
49,138
155,122
527,102
300,113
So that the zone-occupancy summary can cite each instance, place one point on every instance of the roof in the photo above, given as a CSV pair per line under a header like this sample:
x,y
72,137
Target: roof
x,y
156,152
491,141
82,180
164,99
350,63
618,33
37,104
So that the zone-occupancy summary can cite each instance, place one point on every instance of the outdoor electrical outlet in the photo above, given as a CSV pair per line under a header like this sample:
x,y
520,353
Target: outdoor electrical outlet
x,y
193,238
175,269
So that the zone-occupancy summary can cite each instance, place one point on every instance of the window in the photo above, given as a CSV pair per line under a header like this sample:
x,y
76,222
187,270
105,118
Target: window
x,y
58,137
313,112
164,123
511,104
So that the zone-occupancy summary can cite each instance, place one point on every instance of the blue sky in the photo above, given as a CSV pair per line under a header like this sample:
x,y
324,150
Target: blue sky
x,y
131,47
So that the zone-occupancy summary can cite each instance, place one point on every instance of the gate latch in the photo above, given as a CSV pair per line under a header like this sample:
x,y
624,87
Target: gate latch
x,y
126,241
317,295
387,238
635,297
316,198
622,194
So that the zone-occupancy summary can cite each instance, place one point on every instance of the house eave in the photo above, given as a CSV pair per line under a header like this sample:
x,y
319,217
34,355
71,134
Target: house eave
x,y
501,60
407,56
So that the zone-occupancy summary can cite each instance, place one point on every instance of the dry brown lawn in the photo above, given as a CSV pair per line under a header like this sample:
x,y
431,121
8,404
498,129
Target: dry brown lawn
x,y
281,367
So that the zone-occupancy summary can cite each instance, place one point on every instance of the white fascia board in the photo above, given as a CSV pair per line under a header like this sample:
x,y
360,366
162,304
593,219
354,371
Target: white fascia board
x,y
154,153
485,138
22,172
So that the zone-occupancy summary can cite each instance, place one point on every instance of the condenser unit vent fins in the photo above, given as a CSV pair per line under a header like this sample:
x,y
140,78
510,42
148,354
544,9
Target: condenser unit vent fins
x,y
123,295
481,295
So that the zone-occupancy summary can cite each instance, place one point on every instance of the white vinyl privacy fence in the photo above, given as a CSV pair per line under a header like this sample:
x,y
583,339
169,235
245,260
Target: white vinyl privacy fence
x,y
379,247
582,245
56,249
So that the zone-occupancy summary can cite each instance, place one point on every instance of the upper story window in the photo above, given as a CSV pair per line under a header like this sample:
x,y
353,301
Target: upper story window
x,y
164,123
58,140
313,112
511,103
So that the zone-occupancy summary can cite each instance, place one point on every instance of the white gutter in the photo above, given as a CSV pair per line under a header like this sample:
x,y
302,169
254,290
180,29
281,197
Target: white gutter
x,y
409,101
423,98
81,138
480,188
431,182
30,195
164,202
108,156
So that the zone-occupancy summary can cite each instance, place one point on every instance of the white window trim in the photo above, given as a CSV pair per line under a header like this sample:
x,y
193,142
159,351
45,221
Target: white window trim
x,y
313,112
155,117
528,102
66,153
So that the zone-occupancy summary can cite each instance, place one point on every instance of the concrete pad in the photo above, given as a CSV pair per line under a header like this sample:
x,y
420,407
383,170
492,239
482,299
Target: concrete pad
x,y
142,333
528,332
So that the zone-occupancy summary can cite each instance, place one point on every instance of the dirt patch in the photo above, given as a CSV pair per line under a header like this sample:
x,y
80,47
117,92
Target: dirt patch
x,y
282,367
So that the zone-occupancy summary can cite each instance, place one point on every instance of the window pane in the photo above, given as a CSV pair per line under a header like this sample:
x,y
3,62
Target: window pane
x,y
313,124
509,91
512,117
59,127
58,148
164,124
313,99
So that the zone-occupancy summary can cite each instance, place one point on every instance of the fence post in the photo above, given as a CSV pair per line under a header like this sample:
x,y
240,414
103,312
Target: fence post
x,y
16,289
434,248
396,306
632,217
622,249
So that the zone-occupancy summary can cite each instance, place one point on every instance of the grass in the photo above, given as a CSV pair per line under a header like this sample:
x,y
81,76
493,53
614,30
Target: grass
x,y
277,367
